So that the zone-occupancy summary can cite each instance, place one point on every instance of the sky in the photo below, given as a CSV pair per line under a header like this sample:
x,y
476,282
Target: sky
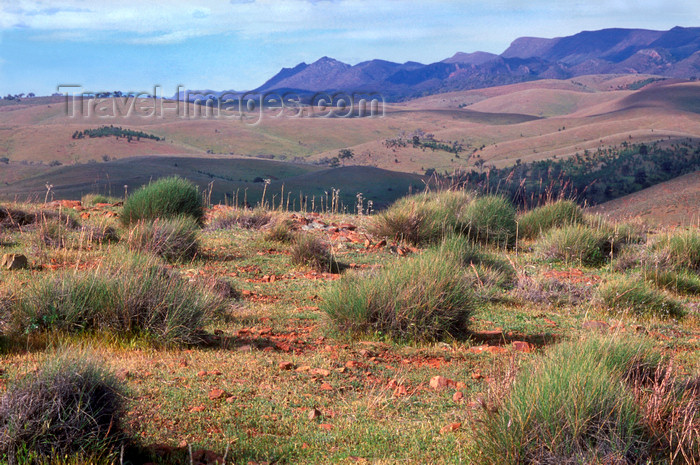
x,y
134,45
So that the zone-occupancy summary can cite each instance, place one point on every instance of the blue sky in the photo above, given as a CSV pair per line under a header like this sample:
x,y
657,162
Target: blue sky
x,y
132,45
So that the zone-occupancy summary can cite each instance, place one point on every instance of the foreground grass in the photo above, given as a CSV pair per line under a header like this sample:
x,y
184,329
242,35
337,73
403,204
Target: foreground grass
x,y
273,383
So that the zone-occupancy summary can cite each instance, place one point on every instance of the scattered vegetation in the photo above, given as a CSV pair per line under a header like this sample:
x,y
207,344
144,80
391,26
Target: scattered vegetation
x,y
94,199
242,218
118,132
682,248
163,199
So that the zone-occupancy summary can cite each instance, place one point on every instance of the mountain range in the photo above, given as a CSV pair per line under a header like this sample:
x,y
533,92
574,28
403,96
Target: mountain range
x,y
674,53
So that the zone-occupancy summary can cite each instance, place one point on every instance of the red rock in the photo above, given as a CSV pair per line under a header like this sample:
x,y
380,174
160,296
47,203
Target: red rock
x,y
326,387
477,376
325,426
320,372
348,226
440,382
451,428
215,394
286,365
522,346
314,413
202,373
198,408
457,396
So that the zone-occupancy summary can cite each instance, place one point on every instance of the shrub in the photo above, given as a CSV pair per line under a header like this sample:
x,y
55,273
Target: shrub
x,y
626,294
489,220
311,251
419,298
421,219
164,198
546,217
70,409
173,239
574,243
573,406
137,297
682,248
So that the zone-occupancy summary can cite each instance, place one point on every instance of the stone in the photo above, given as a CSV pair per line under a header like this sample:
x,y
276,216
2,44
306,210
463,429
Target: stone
x,y
14,261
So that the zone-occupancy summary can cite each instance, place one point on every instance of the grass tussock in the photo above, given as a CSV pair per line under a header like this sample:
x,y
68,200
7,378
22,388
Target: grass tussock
x,y
635,296
137,297
489,220
416,299
175,239
681,247
681,282
572,407
575,244
163,199
70,409
554,215
314,252
421,219
487,270
280,231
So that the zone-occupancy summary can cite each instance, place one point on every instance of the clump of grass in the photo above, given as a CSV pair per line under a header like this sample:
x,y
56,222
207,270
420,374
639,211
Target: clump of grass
x,y
421,219
419,298
681,282
575,243
309,250
280,231
487,270
137,297
682,248
94,199
489,220
174,239
552,291
626,294
244,219
573,406
541,219
70,409
165,198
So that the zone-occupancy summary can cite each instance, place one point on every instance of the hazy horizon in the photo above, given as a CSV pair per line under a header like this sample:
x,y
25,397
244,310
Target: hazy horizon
x,y
239,44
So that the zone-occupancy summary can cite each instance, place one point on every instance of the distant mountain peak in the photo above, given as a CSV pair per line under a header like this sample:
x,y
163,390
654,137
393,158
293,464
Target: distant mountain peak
x,y
670,53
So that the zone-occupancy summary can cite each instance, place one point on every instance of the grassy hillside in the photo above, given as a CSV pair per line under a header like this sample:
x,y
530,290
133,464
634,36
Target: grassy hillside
x,y
228,178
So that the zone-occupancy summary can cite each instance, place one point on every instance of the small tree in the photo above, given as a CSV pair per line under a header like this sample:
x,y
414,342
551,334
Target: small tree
x,y
345,154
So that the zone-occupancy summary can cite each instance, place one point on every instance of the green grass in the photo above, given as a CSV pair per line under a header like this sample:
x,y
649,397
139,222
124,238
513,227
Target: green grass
x,y
139,296
314,252
632,295
489,220
94,199
541,219
575,244
572,406
681,282
175,239
417,299
163,199
423,218
682,248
